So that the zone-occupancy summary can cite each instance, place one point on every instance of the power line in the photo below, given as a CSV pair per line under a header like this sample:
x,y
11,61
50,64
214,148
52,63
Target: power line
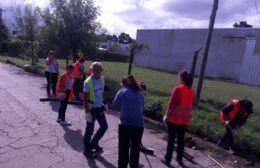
x,y
257,11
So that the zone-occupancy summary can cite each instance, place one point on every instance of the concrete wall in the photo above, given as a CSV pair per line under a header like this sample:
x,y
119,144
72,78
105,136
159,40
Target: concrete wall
x,y
172,50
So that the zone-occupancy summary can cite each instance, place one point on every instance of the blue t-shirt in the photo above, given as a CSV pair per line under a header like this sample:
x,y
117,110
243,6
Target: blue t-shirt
x,y
131,104
98,91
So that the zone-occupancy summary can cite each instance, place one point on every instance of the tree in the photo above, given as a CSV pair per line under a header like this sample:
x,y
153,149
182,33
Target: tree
x,y
135,49
4,36
26,23
71,25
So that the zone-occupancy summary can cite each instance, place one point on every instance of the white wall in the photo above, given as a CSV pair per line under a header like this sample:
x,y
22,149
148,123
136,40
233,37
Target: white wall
x,y
172,50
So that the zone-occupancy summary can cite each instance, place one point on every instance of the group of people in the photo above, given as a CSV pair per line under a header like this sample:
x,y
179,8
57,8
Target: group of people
x,y
130,101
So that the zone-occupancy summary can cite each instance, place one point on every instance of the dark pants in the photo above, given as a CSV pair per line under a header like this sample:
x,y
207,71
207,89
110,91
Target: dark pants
x,y
99,115
129,136
227,140
174,130
63,106
52,79
76,87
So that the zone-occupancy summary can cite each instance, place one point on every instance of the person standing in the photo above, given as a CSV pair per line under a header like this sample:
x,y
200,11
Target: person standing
x,y
94,110
130,100
51,73
178,116
65,93
233,116
78,74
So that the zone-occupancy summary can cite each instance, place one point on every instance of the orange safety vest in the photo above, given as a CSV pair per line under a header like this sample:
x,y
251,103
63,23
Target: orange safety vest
x,y
76,74
182,114
61,86
231,114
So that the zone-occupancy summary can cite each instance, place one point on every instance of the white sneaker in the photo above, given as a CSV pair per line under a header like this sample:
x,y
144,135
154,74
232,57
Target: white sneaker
x,y
231,151
65,123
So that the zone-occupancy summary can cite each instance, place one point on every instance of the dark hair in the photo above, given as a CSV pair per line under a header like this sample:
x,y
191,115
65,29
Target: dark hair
x,y
125,82
247,105
186,78
81,60
70,66
131,83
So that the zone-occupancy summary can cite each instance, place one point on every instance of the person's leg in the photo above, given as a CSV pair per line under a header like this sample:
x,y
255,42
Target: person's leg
x,y
54,83
101,118
89,131
123,146
171,141
47,75
181,129
76,88
63,106
135,140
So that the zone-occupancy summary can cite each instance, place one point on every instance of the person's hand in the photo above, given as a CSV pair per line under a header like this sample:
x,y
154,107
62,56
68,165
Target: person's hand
x,y
226,122
165,119
88,117
61,96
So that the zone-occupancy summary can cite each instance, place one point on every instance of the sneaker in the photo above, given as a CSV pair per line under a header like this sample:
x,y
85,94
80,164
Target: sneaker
x,y
65,123
167,163
58,120
97,148
90,154
231,151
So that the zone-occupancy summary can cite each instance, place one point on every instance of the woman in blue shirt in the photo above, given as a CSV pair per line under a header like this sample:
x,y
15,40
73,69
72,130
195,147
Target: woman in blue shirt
x,y
130,100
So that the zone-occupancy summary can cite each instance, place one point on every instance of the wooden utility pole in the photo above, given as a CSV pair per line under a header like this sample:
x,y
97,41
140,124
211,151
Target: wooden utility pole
x,y
194,61
206,51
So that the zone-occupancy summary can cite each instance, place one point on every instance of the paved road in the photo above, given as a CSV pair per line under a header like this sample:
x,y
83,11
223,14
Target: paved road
x,y
31,138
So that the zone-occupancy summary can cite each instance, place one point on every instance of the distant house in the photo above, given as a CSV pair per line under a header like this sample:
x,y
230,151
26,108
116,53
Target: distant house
x,y
234,53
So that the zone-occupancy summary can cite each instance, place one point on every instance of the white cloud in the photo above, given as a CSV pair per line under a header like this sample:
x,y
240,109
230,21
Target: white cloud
x,y
129,15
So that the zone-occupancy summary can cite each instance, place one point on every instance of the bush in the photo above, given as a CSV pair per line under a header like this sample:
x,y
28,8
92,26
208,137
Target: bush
x,y
106,56
17,47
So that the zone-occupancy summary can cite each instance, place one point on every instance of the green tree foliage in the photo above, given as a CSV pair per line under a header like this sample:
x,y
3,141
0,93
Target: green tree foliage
x,y
70,26
4,36
26,22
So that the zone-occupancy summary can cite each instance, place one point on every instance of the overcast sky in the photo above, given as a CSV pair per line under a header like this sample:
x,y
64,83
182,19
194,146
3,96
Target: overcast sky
x,y
129,15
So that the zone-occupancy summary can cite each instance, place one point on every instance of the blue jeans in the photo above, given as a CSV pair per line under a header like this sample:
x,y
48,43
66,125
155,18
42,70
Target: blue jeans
x,y
99,115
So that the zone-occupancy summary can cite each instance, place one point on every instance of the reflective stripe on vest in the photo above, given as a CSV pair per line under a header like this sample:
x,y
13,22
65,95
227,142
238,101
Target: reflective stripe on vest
x,y
232,113
182,114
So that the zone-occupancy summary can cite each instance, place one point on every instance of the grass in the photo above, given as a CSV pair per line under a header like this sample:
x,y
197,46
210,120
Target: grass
x,y
215,94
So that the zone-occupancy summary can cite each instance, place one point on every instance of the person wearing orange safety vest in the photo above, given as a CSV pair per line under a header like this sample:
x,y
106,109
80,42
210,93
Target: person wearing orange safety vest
x,y
233,116
78,74
178,116
65,93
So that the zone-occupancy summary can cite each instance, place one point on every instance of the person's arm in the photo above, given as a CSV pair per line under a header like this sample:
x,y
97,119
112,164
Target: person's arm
x,y
174,100
62,84
117,100
242,122
48,61
226,110
85,102
86,99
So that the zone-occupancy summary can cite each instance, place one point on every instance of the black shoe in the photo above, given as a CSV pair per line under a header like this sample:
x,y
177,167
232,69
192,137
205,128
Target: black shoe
x,y
90,154
167,163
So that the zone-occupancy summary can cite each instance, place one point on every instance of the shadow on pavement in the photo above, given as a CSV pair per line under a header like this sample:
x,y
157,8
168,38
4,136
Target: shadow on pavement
x,y
74,138
105,162
54,106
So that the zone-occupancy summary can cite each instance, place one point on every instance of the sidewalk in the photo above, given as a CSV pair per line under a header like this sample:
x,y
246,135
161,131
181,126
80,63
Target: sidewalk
x,y
30,136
